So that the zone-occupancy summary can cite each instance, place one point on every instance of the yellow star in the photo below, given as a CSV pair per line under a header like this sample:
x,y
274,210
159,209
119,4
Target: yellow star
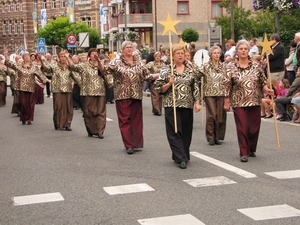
x,y
182,43
266,45
169,25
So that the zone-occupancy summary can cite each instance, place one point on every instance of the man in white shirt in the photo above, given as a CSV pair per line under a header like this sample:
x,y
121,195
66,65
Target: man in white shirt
x,y
254,49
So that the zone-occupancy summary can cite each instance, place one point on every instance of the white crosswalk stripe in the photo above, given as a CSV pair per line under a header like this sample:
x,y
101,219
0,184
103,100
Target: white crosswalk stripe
x,y
126,189
289,174
40,198
209,181
172,220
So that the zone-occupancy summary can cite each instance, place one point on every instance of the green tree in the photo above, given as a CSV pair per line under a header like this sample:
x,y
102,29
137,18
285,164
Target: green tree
x,y
243,24
56,32
189,35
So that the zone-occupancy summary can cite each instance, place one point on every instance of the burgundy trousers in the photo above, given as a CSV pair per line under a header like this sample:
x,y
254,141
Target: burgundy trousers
x,y
130,117
247,121
27,102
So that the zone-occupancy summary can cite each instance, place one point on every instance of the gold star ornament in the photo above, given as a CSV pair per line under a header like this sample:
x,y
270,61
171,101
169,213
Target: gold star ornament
x,y
182,43
169,25
266,45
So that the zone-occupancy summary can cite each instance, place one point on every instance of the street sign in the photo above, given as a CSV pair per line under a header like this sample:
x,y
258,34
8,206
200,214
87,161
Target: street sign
x,y
100,46
41,49
84,41
41,42
71,39
71,46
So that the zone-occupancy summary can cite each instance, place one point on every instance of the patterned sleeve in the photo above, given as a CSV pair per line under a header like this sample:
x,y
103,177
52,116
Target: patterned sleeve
x,y
227,81
162,79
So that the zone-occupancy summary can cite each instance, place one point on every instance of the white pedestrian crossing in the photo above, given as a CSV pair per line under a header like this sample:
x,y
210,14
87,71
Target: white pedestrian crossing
x,y
223,165
40,198
126,189
209,181
270,212
289,174
172,220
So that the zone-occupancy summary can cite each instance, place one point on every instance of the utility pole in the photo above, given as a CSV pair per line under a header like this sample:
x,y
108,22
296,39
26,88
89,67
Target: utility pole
x,y
232,18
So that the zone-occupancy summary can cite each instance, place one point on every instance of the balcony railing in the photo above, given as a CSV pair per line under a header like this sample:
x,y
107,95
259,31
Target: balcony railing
x,y
136,19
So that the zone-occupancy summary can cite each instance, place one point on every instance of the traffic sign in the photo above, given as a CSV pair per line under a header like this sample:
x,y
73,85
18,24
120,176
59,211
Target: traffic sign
x,y
71,39
41,49
41,42
71,46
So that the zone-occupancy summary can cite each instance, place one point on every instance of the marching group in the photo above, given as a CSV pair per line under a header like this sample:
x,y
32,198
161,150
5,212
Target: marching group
x,y
235,79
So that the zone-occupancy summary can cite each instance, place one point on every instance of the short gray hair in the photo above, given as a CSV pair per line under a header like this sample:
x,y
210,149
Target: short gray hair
x,y
25,53
212,49
126,43
243,41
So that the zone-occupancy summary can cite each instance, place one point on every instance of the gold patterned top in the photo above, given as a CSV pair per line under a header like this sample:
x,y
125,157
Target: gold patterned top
x,y
3,73
26,75
128,78
244,85
185,85
61,77
51,63
155,67
213,78
90,79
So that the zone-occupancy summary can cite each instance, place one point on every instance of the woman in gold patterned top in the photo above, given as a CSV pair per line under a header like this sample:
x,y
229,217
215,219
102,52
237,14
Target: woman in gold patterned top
x,y
156,99
61,87
3,80
213,72
27,73
244,84
92,87
186,96
128,77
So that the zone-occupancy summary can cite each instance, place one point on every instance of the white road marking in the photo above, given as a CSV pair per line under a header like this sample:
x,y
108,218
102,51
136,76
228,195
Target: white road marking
x,y
270,212
109,119
126,189
209,181
40,198
223,165
172,220
289,174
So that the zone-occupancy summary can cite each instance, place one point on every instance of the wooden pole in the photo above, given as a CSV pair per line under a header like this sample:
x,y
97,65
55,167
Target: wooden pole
x,y
272,101
173,86
202,101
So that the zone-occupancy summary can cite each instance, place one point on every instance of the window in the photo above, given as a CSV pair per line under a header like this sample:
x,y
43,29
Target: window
x,y
35,4
3,7
53,5
21,26
89,21
16,27
44,4
4,27
14,6
183,7
9,27
216,10
62,4
20,5
8,7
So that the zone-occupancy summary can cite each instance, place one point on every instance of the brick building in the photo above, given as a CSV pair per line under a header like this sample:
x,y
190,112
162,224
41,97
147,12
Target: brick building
x,y
142,16
16,19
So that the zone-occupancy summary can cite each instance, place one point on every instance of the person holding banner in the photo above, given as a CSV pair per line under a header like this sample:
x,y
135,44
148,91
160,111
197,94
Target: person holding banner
x,y
244,84
187,97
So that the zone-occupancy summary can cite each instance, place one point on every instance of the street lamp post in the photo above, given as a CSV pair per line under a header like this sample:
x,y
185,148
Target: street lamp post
x,y
124,8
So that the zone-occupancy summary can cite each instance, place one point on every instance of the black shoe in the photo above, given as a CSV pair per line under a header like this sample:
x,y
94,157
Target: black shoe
x,y
90,135
217,142
182,165
129,151
68,129
284,118
252,154
23,122
211,142
112,102
270,116
244,159
29,123
100,136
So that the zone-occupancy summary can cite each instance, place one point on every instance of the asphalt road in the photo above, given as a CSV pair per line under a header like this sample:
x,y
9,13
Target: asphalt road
x,y
37,159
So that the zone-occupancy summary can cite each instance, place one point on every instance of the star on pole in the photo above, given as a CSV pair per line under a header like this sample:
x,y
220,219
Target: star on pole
x,y
266,45
182,43
169,25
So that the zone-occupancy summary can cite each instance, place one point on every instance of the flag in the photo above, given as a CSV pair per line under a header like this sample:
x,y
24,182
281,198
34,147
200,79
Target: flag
x,y
71,11
43,17
34,20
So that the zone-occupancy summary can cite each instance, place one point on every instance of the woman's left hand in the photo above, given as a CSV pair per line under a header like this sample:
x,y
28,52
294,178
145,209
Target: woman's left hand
x,y
197,106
